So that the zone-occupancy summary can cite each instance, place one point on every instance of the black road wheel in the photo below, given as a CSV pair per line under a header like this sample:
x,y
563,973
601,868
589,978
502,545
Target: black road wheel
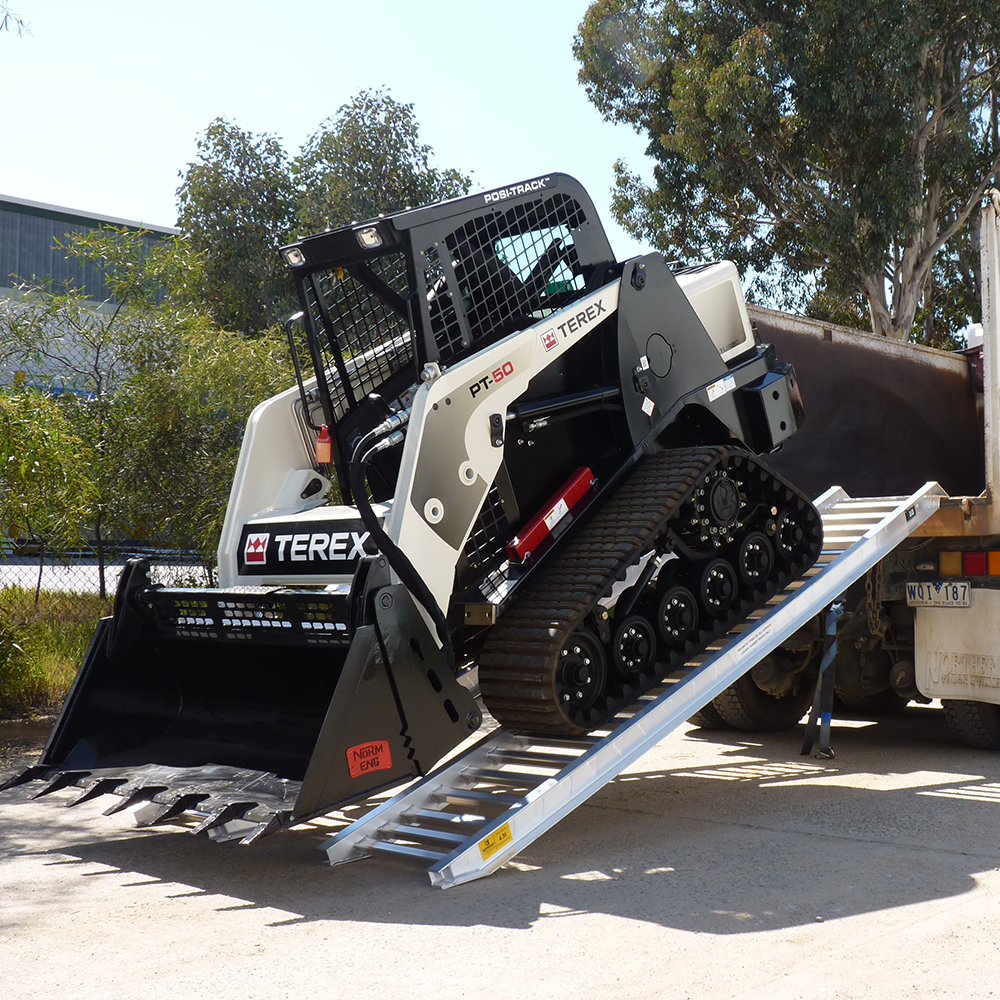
x,y
707,717
974,723
676,616
582,672
755,560
633,646
716,587
747,708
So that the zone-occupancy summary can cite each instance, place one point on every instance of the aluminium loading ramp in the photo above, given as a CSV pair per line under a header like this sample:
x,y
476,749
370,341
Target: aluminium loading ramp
x,y
484,806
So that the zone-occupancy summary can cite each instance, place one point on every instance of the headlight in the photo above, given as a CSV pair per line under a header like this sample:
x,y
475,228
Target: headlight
x,y
369,238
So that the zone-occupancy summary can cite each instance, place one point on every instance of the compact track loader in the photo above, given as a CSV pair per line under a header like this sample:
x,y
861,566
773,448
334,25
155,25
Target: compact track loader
x,y
547,470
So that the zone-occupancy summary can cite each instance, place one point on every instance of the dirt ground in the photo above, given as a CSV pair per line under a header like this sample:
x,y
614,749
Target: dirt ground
x,y
721,865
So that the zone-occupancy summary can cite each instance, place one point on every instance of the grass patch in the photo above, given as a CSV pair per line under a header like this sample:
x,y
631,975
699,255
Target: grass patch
x,y
42,645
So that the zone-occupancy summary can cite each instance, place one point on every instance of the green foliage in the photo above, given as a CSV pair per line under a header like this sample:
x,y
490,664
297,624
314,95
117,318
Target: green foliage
x,y
46,493
365,161
236,206
177,429
840,141
243,197
146,443
42,642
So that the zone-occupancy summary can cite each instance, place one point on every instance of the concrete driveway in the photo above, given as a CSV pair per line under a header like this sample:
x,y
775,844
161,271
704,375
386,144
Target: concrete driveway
x,y
721,865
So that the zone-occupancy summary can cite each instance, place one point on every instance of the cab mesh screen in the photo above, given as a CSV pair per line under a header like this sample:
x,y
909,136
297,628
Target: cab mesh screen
x,y
499,272
364,338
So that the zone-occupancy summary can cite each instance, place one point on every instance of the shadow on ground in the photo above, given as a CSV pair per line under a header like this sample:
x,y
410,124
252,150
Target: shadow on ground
x,y
741,835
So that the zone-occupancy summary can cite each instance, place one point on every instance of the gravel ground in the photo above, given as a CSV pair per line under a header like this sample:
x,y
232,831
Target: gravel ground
x,y
22,740
719,866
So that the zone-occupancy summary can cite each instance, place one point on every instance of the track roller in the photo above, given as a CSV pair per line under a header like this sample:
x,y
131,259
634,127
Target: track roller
x,y
582,671
633,646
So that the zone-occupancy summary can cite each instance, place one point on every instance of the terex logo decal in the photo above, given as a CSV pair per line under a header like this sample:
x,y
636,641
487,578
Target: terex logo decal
x,y
583,318
488,381
319,545
549,340
255,550
331,546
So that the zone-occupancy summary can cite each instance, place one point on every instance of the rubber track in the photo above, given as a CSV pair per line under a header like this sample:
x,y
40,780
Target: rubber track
x,y
516,665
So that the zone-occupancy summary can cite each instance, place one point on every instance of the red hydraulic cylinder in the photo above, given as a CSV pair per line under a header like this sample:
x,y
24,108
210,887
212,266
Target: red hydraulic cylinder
x,y
542,524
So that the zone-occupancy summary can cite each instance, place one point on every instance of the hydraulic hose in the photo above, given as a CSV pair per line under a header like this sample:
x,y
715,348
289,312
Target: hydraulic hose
x,y
397,558
397,420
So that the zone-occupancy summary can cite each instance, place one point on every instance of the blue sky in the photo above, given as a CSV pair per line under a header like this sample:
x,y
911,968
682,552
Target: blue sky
x,y
105,99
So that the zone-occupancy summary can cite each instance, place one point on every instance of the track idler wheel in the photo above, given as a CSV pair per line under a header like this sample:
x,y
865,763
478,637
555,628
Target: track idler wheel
x,y
633,646
789,537
754,561
676,616
723,502
716,587
582,672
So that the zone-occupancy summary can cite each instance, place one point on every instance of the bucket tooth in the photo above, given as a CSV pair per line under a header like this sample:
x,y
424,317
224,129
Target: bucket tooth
x,y
23,777
179,805
62,780
140,795
229,812
100,787
272,825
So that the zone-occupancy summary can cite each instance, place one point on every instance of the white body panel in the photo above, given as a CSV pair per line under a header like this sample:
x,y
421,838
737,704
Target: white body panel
x,y
273,461
449,408
717,297
958,650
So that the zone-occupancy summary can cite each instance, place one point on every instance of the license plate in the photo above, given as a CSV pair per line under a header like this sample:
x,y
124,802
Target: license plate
x,y
953,594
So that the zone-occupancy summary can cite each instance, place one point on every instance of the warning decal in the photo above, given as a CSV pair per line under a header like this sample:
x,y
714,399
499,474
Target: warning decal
x,y
498,839
366,757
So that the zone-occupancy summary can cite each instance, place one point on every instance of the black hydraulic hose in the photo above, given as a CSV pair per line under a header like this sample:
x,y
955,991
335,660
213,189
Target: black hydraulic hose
x,y
397,558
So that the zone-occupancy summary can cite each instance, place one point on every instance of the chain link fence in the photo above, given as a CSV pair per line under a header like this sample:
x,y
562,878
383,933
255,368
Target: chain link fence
x,y
26,566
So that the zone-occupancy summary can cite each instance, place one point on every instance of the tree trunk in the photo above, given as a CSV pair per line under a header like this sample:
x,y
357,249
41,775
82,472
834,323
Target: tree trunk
x,y
41,564
99,540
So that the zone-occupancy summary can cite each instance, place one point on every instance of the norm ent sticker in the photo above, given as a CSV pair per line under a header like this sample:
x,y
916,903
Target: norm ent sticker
x,y
366,757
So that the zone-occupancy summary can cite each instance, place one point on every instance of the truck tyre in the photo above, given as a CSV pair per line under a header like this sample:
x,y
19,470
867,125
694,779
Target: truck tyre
x,y
974,723
746,707
708,717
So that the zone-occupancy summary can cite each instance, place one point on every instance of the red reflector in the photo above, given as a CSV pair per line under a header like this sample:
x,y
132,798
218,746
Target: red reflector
x,y
541,525
974,563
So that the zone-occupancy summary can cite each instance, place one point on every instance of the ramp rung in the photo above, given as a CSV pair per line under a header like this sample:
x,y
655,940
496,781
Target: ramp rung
x,y
515,778
403,850
456,796
443,817
558,743
407,831
533,758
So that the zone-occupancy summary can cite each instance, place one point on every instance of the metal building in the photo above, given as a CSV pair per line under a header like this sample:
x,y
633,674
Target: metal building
x,y
30,236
